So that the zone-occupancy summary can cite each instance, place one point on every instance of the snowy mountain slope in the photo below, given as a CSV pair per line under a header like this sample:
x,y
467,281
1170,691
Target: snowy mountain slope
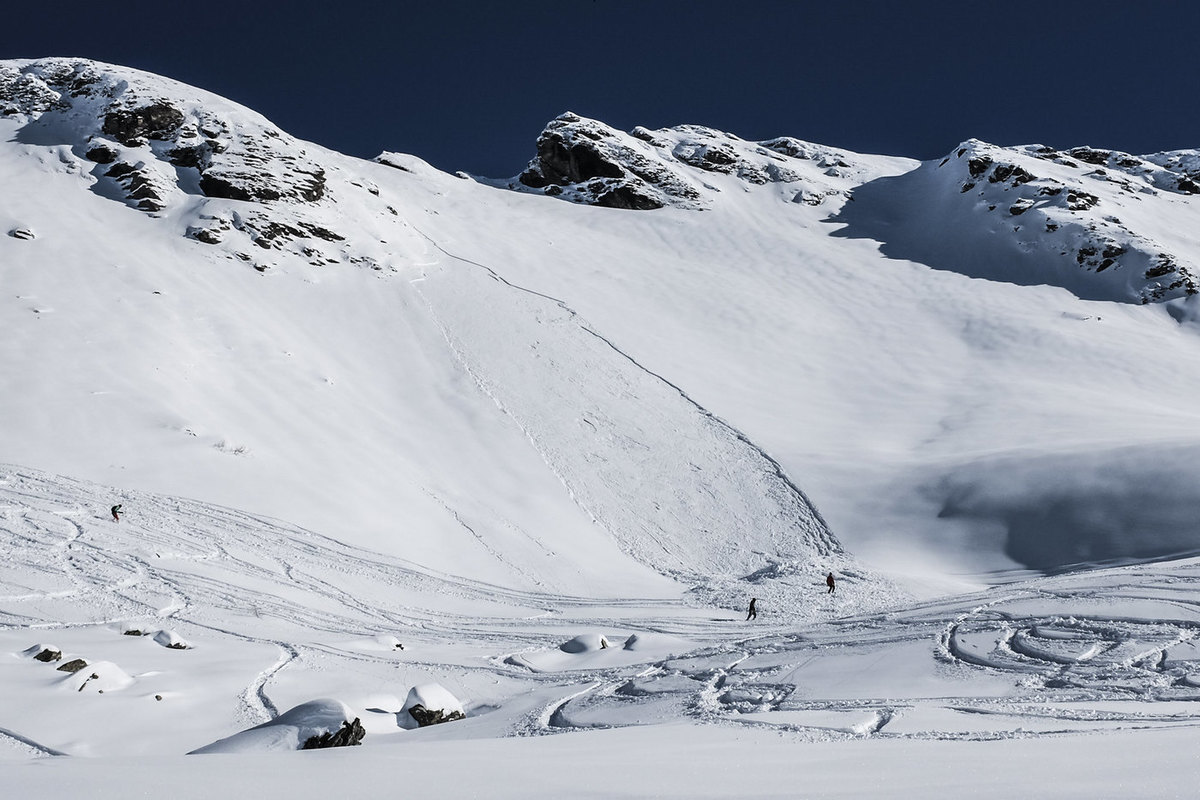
x,y
890,391
351,385
352,321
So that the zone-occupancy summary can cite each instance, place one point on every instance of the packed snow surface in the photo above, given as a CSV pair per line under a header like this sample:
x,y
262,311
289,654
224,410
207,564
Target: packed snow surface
x,y
384,435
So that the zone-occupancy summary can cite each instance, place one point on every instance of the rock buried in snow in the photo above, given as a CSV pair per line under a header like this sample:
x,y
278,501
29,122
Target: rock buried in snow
x,y
585,643
429,704
289,731
43,653
426,716
349,735
22,233
171,640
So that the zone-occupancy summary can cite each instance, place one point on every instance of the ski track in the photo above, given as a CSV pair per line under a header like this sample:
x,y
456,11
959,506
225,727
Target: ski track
x,y
1071,663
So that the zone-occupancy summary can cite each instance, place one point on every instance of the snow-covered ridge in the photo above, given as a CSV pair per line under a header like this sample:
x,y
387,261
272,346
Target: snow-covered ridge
x,y
586,161
1102,224
170,149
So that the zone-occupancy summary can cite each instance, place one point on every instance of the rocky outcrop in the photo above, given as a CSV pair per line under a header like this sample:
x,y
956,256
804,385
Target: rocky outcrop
x,y
1081,219
133,126
349,735
433,716
144,186
588,162
236,160
159,145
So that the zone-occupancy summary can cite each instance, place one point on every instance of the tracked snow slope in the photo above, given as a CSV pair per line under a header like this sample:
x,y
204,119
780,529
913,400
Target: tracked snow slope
x,y
208,629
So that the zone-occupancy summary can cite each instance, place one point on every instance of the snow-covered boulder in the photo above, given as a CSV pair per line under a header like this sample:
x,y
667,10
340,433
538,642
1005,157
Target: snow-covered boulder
x,y
585,643
172,640
289,731
429,704
43,652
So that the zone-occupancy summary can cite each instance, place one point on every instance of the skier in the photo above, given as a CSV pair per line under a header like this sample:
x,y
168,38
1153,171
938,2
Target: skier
x,y
753,612
829,582
116,512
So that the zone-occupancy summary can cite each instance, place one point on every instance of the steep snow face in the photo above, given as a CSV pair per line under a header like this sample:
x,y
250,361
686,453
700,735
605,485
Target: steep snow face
x,y
283,329
1102,224
586,161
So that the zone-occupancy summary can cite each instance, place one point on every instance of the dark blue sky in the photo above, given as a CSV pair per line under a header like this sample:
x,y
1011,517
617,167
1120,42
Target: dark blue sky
x,y
469,85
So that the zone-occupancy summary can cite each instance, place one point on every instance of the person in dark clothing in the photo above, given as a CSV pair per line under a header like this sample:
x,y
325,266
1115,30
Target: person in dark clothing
x,y
830,583
116,512
753,612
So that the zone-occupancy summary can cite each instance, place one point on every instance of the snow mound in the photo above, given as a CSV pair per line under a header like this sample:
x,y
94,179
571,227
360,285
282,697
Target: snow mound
x,y
288,731
585,643
433,697
100,677
172,640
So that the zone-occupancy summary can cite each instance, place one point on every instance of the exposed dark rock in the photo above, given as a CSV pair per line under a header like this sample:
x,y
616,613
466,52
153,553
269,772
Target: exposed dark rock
x,y
1080,201
426,716
217,186
138,185
194,156
102,153
1010,173
1089,155
133,632
73,666
206,235
627,197
562,162
154,121
47,655
978,165
349,735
